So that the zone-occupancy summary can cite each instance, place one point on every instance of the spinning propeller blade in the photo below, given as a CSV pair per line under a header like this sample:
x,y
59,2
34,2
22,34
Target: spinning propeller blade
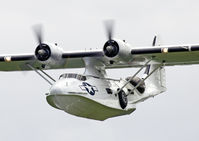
x,y
38,31
109,25
111,48
42,51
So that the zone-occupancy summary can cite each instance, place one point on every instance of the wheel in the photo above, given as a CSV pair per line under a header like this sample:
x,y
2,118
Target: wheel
x,y
122,99
135,81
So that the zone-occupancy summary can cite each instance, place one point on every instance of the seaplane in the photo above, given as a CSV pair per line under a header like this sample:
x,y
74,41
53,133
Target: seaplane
x,y
93,94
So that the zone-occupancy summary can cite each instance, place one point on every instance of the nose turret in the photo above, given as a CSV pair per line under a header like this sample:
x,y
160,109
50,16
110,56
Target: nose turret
x,y
66,86
58,87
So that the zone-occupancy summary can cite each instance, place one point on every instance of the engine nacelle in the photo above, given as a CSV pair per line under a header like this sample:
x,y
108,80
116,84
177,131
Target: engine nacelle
x,y
49,54
117,50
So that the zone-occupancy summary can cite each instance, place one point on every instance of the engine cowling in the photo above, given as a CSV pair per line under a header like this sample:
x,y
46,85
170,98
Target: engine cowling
x,y
49,54
117,50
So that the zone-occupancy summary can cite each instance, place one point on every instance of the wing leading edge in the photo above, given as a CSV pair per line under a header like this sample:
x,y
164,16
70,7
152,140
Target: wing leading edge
x,y
170,55
18,62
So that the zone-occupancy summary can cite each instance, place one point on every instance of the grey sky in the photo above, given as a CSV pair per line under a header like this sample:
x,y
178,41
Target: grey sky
x,y
24,112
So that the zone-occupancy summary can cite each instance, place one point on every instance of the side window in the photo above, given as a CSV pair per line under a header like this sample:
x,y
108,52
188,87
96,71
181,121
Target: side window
x,y
109,91
83,78
73,75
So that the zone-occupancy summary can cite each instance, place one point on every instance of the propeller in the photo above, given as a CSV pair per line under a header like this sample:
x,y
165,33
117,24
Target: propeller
x,y
42,51
111,48
109,25
38,31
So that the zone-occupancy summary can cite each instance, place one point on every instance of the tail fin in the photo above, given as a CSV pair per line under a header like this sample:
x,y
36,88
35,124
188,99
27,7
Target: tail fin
x,y
157,81
156,40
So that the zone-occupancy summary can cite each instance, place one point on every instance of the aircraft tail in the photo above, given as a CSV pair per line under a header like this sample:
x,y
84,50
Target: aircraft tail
x,y
157,80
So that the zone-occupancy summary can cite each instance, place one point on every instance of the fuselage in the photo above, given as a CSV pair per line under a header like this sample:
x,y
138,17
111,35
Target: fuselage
x,y
91,97
87,96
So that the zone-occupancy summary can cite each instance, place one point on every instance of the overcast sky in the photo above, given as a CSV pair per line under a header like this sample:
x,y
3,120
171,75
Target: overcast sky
x,y
75,25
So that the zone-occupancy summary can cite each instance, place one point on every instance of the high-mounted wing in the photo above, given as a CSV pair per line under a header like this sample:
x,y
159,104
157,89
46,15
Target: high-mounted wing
x,y
122,57
115,54
170,55
18,62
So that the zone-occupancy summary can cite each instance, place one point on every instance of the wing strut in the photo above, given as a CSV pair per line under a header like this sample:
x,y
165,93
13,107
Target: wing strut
x,y
146,64
47,75
31,67
145,79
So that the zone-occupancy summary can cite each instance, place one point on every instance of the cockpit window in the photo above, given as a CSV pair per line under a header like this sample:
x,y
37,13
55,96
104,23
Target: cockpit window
x,y
73,75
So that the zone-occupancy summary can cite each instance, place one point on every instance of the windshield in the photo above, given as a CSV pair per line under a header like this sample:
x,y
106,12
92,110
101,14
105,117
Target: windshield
x,y
73,75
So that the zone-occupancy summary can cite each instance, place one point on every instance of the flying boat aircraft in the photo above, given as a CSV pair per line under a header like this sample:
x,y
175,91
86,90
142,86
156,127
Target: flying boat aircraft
x,y
93,94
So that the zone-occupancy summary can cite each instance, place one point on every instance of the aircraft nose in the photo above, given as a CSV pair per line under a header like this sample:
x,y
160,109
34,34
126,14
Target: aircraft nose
x,y
57,88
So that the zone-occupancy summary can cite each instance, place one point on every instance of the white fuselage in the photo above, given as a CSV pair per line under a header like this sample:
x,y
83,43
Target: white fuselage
x,y
92,97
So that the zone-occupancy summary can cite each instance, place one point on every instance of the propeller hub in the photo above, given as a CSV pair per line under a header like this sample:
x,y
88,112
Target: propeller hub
x,y
111,48
43,52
